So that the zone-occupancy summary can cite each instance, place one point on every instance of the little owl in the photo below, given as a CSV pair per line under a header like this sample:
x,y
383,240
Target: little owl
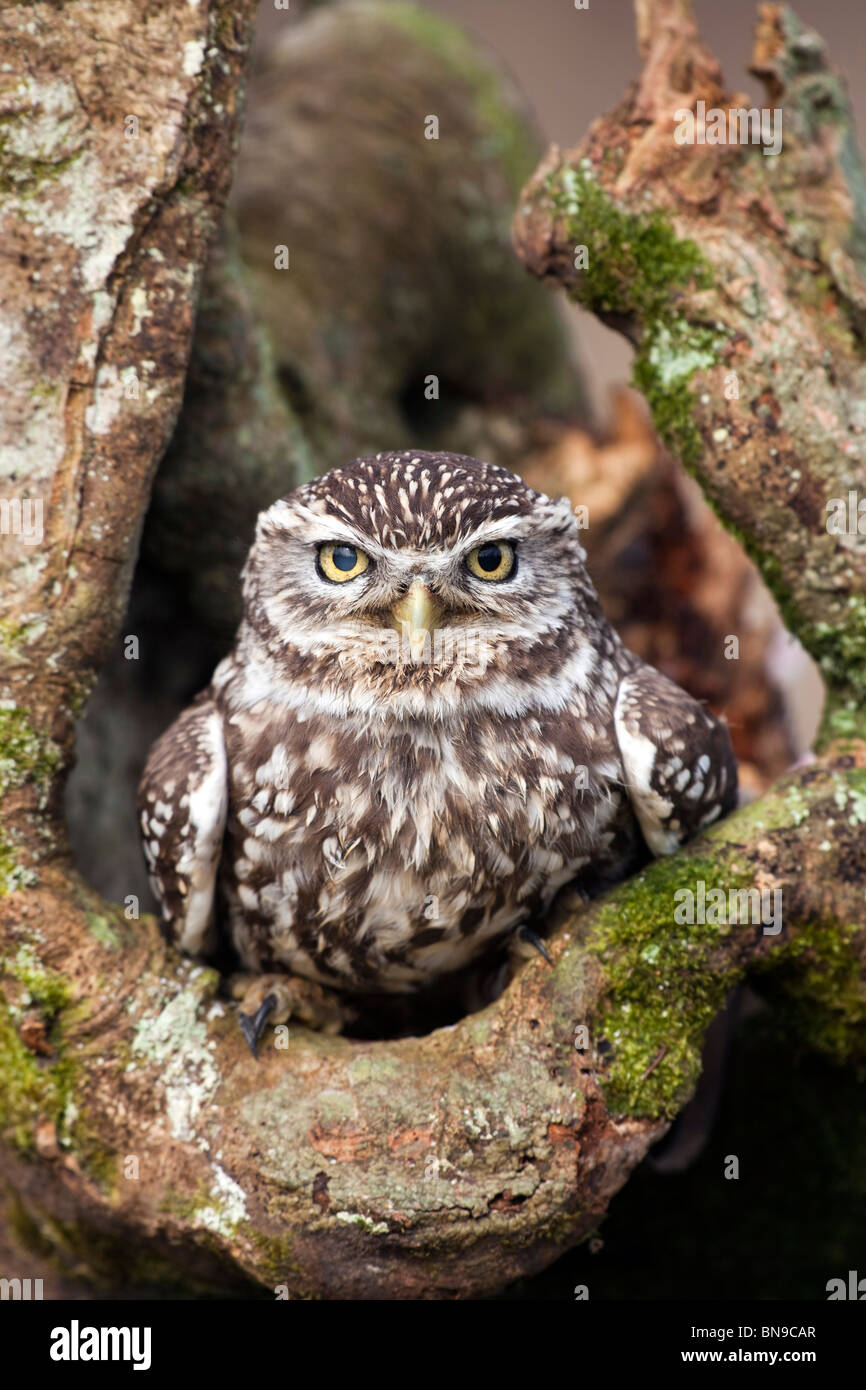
x,y
425,728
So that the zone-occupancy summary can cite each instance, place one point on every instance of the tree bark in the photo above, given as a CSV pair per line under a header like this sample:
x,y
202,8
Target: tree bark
x,y
139,1136
741,280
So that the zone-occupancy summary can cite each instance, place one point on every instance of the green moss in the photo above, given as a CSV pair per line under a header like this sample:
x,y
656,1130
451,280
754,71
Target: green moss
x,y
26,178
373,1067
185,1208
856,808
13,876
77,695
818,992
276,1260
49,992
15,634
31,1088
25,754
665,983
636,263
34,1088
662,998
838,649
98,1162
103,930
662,371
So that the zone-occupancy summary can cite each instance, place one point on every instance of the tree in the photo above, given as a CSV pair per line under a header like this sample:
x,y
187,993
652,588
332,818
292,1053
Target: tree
x,y
137,1132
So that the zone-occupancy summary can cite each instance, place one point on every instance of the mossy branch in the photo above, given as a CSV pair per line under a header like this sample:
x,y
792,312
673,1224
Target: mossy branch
x,y
740,277
422,1167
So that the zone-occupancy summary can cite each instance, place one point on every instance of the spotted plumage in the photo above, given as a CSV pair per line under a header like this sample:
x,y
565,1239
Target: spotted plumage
x,y
425,728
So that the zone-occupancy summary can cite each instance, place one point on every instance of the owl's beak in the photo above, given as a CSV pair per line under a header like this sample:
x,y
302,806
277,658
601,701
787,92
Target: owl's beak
x,y
415,616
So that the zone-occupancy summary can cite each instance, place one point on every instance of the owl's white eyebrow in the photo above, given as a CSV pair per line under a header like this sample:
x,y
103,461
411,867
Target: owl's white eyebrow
x,y
324,530
334,538
485,537
328,530
506,527
303,524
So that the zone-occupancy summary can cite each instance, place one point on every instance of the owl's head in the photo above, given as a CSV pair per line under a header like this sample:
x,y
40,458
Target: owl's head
x,y
416,585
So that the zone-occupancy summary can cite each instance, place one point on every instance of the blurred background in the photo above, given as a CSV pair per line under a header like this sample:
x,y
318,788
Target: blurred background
x,y
572,65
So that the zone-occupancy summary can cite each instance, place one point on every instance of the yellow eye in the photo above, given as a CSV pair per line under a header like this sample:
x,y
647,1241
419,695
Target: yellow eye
x,y
341,562
495,560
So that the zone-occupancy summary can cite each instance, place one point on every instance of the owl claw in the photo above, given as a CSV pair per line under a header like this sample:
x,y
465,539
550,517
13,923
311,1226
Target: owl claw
x,y
267,1000
527,934
253,1025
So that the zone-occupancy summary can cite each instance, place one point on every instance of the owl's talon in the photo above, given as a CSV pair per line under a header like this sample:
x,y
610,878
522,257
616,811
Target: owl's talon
x,y
272,999
526,933
253,1025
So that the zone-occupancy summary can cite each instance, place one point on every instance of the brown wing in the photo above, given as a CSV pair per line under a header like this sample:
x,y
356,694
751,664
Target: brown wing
x,y
182,803
678,762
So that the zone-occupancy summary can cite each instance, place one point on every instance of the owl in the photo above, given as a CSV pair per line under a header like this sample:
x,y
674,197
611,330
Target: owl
x,y
425,728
